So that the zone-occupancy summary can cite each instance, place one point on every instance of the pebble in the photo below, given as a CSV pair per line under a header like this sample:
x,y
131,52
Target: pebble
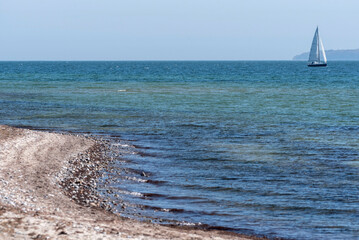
x,y
80,181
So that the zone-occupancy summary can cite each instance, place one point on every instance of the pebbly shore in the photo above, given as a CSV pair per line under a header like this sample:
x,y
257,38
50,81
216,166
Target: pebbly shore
x,y
48,190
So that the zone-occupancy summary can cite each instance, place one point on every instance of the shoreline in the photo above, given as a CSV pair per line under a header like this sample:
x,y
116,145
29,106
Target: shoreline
x,y
48,190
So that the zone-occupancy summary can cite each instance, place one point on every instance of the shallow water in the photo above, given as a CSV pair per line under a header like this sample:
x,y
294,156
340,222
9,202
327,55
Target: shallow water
x,y
266,148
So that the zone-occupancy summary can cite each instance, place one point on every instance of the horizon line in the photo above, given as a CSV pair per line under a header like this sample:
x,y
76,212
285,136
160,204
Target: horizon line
x,y
158,60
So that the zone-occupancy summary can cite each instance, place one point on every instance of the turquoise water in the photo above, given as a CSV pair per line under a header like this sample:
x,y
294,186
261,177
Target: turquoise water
x,y
264,148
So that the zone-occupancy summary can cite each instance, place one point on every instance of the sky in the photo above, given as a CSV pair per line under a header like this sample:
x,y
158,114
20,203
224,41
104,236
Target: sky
x,y
173,29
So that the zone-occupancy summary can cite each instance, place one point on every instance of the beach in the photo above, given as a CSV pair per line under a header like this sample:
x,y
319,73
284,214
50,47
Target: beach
x,y
47,191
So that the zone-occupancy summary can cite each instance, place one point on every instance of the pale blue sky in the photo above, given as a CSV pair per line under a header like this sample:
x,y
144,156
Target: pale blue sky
x,y
172,29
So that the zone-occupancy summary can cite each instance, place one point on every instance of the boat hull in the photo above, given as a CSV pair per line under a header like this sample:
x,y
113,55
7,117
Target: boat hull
x,y
317,65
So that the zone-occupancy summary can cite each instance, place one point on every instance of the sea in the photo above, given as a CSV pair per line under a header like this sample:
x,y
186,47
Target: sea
x,y
264,148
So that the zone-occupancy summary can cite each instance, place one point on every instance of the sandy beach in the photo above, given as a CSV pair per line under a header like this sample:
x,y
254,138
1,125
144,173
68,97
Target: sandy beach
x,y
47,183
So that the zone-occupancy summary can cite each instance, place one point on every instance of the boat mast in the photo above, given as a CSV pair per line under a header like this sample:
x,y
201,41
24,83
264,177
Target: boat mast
x,y
318,50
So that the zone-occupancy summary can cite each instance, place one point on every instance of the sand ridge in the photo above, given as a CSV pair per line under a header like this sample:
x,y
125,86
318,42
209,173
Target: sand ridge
x,y
35,205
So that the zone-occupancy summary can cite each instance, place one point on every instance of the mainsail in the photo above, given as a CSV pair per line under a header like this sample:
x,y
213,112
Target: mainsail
x,y
317,52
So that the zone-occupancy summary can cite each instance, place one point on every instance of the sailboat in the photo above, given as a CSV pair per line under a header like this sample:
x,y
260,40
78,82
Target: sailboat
x,y
317,56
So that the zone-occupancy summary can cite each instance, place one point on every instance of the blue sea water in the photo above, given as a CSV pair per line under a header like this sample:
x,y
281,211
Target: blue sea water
x,y
264,148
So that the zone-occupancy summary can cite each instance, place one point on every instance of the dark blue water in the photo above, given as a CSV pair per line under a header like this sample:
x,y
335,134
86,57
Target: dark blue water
x,y
266,148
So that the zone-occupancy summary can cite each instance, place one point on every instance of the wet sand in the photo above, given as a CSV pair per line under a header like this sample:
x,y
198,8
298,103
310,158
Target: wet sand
x,y
48,191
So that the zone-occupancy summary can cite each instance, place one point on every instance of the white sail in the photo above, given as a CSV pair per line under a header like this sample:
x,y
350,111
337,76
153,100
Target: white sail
x,y
314,50
323,51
